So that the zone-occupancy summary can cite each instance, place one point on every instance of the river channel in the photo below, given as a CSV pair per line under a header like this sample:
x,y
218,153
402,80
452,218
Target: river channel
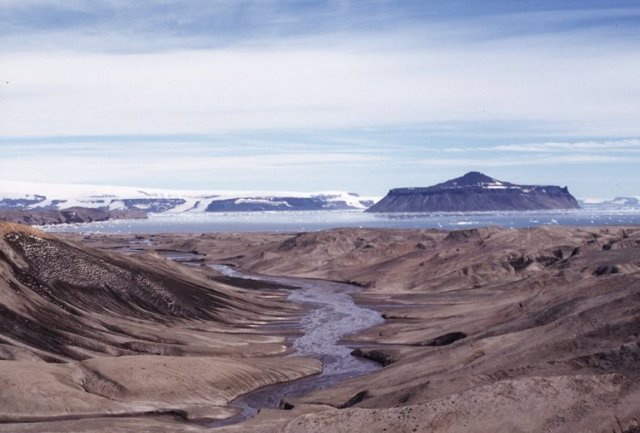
x,y
331,314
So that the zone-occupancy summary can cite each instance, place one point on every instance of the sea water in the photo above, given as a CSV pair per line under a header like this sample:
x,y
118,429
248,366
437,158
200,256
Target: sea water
x,y
285,221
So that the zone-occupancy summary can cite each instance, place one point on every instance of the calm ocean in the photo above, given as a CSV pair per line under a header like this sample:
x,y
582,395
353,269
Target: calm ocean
x,y
321,220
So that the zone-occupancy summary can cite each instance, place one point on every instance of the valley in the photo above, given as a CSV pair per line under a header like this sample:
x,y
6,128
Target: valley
x,y
505,330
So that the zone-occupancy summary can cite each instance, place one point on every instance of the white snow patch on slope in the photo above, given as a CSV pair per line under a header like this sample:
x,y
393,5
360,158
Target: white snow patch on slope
x,y
195,201
261,201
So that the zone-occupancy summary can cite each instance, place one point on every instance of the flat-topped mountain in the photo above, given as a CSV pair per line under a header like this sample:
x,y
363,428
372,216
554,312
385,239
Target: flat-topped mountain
x,y
476,192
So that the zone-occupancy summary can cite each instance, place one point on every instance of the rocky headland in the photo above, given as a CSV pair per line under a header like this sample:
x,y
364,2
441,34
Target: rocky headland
x,y
476,192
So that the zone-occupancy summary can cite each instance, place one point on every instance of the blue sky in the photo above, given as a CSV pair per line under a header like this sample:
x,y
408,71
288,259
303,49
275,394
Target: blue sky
x,y
311,95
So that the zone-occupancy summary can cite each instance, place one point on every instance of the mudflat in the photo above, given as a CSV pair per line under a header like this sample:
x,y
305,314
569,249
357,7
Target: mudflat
x,y
486,330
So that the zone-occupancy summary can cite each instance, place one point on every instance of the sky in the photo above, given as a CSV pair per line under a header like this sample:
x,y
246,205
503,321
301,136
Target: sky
x,y
312,95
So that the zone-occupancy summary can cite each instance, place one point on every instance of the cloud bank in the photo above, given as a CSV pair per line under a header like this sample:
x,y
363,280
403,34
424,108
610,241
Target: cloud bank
x,y
377,94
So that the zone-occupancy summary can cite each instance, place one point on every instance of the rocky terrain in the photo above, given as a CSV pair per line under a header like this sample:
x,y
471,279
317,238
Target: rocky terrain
x,y
88,335
487,330
40,217
484,324
475,192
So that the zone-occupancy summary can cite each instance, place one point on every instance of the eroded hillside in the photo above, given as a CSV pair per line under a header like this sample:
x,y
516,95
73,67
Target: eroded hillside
x,y
86,334
487,329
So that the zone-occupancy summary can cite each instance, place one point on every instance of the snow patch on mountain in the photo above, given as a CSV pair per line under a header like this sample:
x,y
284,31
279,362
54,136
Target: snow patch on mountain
x,y
27,195
261,201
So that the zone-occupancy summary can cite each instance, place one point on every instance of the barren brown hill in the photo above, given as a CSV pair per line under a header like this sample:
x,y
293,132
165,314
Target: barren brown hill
x,y
487,330
86,334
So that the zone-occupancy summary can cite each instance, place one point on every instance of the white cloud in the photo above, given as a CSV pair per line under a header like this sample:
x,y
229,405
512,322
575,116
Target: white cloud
x,y
628,145
125,169
580,146
521,161
578,87
311,168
